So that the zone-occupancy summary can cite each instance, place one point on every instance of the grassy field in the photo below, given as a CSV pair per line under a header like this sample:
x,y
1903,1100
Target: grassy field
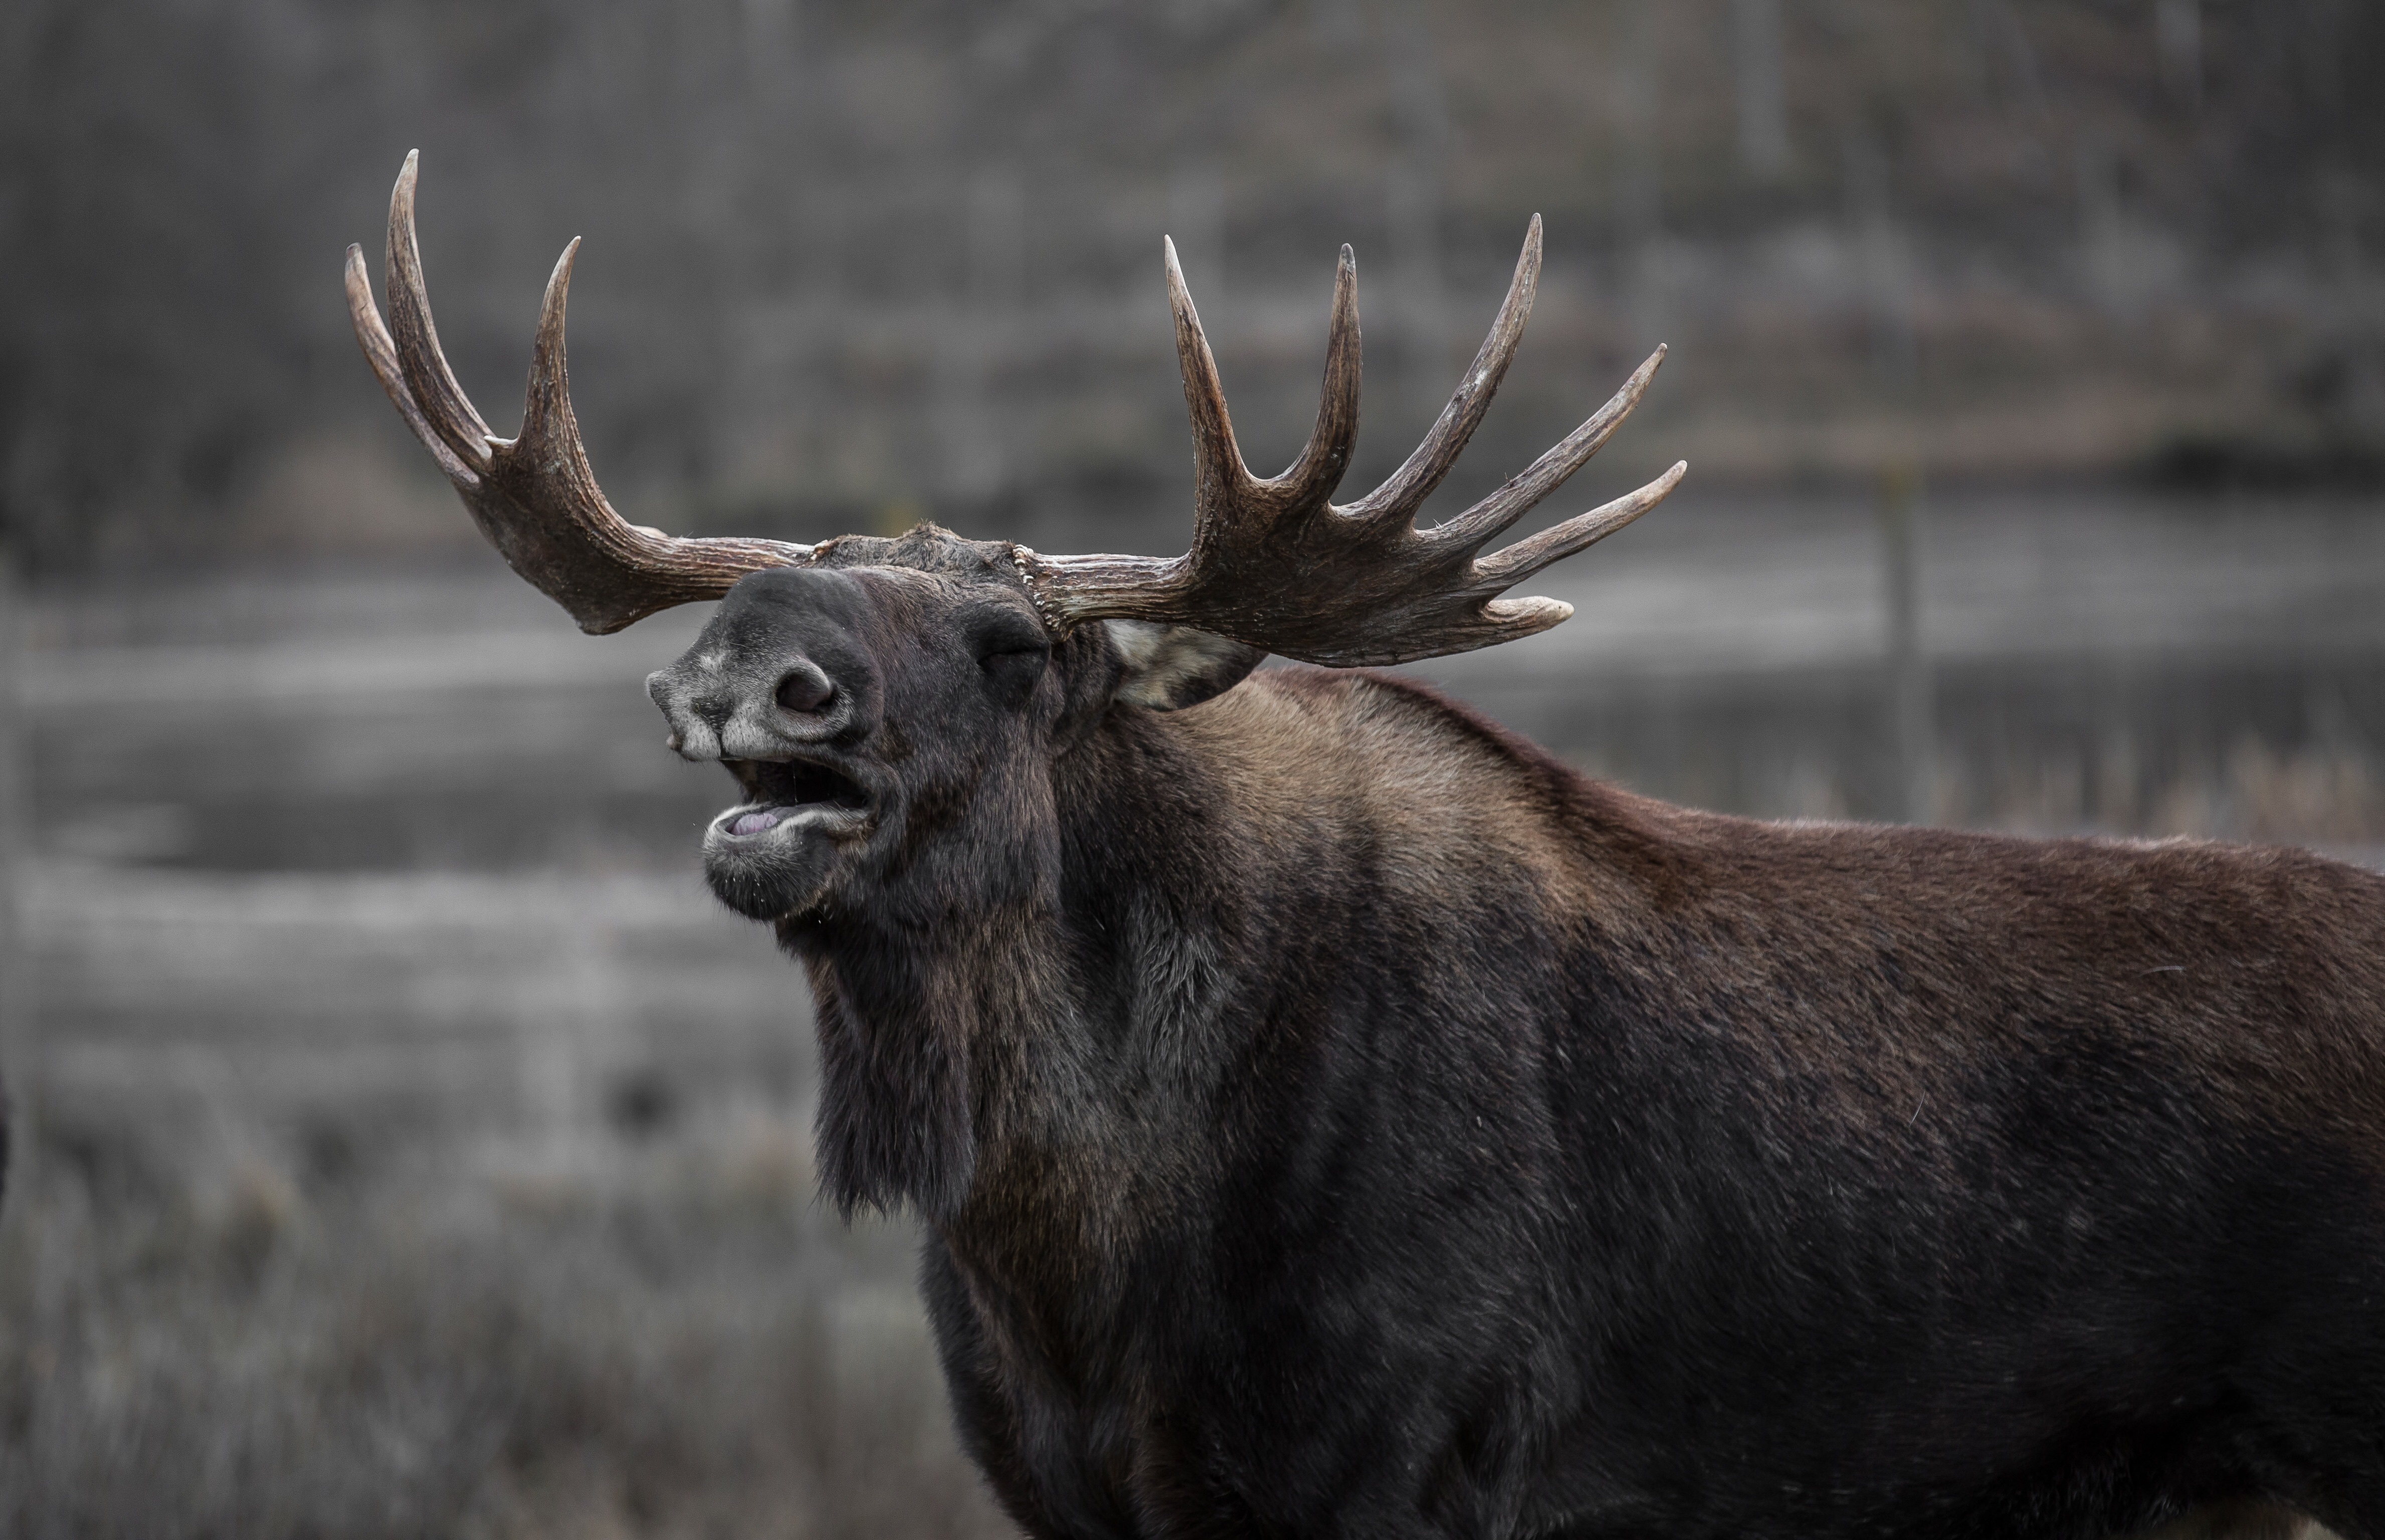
x,y
678,1346
432,1203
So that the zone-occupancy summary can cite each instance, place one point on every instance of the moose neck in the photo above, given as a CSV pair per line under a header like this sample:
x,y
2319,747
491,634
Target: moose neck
x,y
1004,1049
1026,1054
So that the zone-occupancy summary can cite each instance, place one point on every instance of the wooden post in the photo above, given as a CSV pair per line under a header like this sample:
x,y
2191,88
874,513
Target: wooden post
x,y
2178,39
1636,88
1413,207
1912,709
20,1055
1763,104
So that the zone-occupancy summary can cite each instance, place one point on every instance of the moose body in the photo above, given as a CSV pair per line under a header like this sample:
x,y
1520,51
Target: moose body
x,y
1361,1124
1421,1139
1331,1115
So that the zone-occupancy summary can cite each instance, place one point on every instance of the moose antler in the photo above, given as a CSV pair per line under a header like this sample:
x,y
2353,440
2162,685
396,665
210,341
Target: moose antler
x,y
533,495
1277,564
1274,563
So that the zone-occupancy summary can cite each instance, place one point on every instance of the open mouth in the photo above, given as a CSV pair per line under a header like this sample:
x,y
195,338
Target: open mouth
x,y
780,791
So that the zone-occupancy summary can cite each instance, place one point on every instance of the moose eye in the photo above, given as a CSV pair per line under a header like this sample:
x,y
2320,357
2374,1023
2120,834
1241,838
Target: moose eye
x,y
1006,635
1019,659
1011,649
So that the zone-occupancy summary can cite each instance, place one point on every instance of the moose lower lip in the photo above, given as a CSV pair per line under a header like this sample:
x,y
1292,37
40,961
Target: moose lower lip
x,y
751,822
754,824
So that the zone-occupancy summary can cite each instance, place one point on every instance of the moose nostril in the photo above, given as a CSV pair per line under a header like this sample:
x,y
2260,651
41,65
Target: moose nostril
x,y
804,690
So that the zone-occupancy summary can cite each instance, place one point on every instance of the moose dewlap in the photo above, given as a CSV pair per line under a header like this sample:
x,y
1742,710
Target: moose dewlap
x,y
1331,1115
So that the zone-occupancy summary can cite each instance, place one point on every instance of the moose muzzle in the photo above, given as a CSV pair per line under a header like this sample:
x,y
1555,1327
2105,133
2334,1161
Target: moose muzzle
x,y
724,708
775,676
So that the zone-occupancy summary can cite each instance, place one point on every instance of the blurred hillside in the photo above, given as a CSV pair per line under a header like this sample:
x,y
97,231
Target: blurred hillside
x,y
849,264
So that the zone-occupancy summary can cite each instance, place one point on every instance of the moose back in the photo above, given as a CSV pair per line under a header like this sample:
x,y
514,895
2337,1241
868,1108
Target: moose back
x,y
1331,1115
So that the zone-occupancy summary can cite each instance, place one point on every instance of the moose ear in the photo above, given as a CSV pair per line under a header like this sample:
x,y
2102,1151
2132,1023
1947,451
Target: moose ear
x,y
1168,668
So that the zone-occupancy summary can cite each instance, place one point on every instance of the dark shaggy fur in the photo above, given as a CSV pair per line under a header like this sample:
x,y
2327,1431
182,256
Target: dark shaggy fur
x,y
1334,1116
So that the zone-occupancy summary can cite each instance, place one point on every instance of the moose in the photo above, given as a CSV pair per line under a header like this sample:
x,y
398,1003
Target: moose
x,y
1330,1114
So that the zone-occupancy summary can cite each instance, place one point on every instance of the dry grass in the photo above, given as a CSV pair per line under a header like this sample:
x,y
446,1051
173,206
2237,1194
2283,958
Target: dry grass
x,y
2330,796
680,1346
2326,795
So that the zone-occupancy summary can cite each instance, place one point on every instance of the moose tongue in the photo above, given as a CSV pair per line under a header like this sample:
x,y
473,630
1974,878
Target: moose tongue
x,y
754,824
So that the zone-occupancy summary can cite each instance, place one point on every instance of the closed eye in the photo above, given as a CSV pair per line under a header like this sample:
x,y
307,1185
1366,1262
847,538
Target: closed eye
x,y
1006,639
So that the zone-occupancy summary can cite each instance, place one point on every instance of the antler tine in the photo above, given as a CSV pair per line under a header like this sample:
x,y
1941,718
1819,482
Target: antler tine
x,y
1488,517
1503,619
550,430
1398,498
1273,566
1312,479
1227,493
380,352
534,497
1223,483
1512,564
440,400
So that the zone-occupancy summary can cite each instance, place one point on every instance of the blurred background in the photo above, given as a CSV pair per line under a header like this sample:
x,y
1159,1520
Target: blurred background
x,y
408,1146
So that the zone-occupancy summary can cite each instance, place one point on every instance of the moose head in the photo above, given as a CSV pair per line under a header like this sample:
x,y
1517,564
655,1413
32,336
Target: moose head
x,y
890,708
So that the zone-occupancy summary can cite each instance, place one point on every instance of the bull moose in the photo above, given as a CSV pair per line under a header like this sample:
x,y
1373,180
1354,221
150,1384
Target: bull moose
x,y
1330,1114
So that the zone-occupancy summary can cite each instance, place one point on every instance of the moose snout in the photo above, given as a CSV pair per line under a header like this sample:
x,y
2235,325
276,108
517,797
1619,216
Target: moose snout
x,y
724,707
781,668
